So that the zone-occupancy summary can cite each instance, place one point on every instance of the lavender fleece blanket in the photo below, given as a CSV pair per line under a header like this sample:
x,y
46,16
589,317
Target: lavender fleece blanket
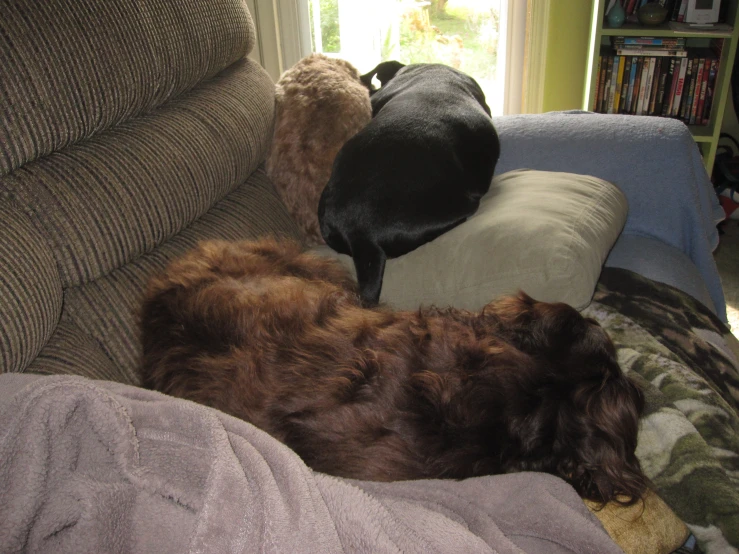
x,y
94,466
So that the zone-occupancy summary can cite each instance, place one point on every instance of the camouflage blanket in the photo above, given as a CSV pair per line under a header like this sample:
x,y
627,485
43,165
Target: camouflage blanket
x,y
685,358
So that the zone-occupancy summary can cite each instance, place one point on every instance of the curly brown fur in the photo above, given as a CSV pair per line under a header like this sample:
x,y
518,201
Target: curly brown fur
x,y
320,103
279,338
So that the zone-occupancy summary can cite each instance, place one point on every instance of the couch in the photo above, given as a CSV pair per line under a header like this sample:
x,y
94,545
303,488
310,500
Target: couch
x,y
129,131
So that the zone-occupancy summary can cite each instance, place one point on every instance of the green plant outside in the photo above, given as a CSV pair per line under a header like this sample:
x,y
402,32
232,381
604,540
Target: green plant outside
x,y
459,33
330,38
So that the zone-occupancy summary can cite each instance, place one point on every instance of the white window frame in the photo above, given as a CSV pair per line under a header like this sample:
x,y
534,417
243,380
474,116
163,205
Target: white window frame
x,y
535,56
282,41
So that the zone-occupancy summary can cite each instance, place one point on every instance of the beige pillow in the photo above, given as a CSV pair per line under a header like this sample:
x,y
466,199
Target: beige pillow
x,y
546,233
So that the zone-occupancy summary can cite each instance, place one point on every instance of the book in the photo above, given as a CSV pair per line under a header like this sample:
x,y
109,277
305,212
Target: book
x,y
625,84
655,86
608,92
686,89
642,87
689,89
683,9
637,86
696,93
675,75
632,79
677,53
619,84
612,88
710,91
702,95
601,94
602,84
679,88
648,42
597,84
660,100
675,10
630,7
648,89
669,88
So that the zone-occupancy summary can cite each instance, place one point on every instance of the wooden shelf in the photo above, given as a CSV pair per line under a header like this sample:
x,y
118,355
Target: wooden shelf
x,y
636,30
706,136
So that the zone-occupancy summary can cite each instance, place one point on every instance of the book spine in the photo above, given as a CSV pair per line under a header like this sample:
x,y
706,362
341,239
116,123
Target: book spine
x,y
602,82
679,88
607,88
651,42
619,84
594,107
675,10
670,87
664,74
632,79
702,95
642,87
625,84
648,87
607,84
677,53
683,9
696,91
710,91
688,88
637,86
612,88
655,85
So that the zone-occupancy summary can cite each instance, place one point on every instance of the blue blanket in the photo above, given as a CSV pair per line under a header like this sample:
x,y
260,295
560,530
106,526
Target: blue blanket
x,y
653,160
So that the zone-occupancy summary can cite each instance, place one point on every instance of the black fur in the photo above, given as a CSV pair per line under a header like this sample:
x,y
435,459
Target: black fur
x,y
418,169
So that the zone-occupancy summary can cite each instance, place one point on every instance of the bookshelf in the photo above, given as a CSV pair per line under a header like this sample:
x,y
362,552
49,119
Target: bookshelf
x,y
601,34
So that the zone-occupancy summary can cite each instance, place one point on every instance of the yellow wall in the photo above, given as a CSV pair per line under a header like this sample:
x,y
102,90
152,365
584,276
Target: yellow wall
x,y
567,53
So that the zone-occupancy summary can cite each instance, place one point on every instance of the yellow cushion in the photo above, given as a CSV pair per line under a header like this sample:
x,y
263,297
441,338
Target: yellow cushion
x,y
650,527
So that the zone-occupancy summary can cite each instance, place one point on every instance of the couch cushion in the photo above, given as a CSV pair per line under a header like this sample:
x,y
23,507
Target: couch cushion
x,y
30,289
546,233
70,351
69,70
116,196
106,308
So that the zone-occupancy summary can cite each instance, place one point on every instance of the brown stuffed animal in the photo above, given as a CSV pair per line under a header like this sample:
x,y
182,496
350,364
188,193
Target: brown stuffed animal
x,y
320,104
647,527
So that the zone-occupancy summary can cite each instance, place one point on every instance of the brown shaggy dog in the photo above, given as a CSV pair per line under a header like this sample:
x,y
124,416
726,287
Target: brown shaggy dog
x,y
320,103
279,338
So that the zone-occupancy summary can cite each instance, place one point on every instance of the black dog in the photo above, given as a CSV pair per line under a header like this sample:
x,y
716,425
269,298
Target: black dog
x,y
418,169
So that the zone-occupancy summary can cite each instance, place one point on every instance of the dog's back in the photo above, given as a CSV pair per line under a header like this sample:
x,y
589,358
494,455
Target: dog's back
x,y
418,169
319,104
277,337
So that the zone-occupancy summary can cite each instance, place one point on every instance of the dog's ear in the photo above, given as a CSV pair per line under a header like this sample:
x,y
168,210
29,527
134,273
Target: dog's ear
x,y
384,71
604,427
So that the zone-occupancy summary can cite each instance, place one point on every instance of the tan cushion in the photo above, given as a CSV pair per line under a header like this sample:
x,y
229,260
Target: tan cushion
x,y
546,233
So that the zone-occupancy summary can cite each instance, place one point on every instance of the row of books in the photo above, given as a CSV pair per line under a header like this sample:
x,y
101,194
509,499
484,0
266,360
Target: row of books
x,y
649,46
677,87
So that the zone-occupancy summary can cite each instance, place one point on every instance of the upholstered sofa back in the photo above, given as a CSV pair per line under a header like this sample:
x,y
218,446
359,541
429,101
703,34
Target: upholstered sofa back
x,y
129,130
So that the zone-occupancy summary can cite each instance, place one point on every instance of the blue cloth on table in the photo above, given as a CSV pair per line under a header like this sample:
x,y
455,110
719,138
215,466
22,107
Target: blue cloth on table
x,y
653,160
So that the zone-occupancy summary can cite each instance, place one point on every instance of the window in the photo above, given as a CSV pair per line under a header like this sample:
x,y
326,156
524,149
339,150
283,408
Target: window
x,y
484,38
